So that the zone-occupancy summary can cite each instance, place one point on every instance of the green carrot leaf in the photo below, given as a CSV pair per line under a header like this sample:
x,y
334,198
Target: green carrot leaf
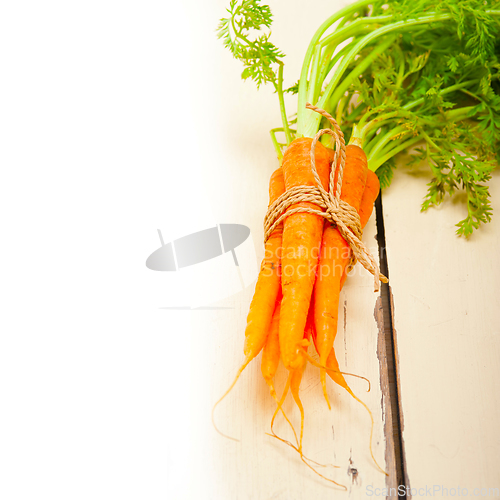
x,y
242,34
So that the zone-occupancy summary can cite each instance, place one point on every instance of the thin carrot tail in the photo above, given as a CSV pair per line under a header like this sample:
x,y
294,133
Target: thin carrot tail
x,y
240,371
333,370
304,458
279,408
272,390
323,385
371,432
321,475
338,377
294,385
298,448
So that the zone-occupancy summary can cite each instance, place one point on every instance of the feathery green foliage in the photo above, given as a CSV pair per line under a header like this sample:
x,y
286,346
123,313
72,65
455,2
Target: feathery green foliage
x,y
417,76
238,32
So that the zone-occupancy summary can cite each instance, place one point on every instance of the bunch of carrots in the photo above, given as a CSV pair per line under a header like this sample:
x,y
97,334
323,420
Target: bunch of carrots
x,y
297,293
303,271
420,77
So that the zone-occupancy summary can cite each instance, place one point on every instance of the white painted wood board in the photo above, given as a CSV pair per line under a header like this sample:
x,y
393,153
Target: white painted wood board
x,y
121,119
447,324
258,466
105,395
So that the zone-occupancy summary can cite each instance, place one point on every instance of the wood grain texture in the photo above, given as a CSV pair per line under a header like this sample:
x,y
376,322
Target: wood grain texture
x,y
446,314
258,466
261,467
393,454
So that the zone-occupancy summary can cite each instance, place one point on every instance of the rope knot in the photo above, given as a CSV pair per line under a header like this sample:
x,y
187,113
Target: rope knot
x,y
335,210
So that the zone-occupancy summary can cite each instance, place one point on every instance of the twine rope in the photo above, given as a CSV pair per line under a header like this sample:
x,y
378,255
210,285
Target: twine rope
x,y
335,210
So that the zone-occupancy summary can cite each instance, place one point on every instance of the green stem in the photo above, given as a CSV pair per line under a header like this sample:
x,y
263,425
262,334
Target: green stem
x,y
386,138
370,140
345,20
303,113
310,128
360,68
444,91
340,108
284,118
312,91
401,72
374,163
364,127
429,141
325,63
456,114
356,136
355,28
375,122
379,147
341,53
276,144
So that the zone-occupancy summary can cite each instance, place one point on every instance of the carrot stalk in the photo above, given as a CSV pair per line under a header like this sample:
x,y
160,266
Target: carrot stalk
x,y
268,283
370,194
271,357
301,242
333,370
334,259
280,404
271,351
297,379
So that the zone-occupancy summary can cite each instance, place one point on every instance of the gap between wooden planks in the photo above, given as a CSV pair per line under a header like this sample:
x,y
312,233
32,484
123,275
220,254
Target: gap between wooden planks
x,y
389,370
266,467
445,329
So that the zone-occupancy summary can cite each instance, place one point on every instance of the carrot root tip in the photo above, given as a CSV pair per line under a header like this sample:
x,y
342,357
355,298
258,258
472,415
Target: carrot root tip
x,y
323,385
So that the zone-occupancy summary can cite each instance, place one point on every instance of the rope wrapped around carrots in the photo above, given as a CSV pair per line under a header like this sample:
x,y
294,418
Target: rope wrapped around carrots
x,y
307,260
336,210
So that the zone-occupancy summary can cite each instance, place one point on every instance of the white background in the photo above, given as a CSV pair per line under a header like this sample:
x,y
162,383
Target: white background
x,y
116,118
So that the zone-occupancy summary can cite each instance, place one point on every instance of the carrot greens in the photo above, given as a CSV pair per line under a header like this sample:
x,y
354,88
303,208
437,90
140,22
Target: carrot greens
x,y
419,76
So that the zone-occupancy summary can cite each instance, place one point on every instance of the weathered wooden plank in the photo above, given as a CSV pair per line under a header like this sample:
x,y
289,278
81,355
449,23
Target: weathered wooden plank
x,y
146,124
261,467
258,466
446,315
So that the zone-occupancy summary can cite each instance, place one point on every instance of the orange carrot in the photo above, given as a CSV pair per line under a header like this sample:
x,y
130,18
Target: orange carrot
x,y
333,370
296,375
293,383
370,194
334,258
301,242
266,291
270,361
271,351
268,283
